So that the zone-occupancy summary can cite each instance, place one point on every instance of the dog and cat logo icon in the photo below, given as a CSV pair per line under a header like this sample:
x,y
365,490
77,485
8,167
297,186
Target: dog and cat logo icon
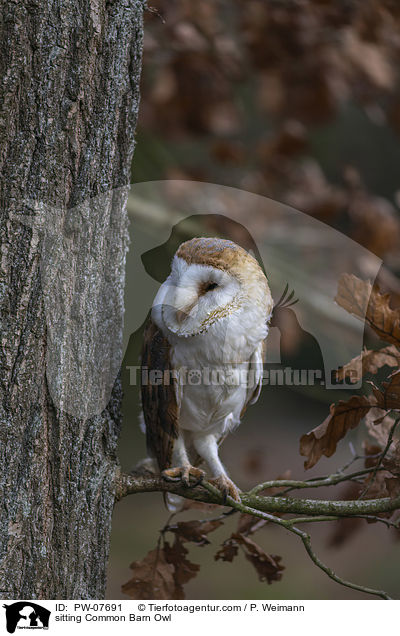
x,y
26,615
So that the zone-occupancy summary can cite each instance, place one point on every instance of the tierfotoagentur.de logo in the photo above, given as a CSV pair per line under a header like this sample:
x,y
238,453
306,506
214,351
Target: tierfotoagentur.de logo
x,y
26,615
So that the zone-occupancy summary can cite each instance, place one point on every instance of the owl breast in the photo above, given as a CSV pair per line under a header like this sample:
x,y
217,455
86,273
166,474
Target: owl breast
x,y
218,370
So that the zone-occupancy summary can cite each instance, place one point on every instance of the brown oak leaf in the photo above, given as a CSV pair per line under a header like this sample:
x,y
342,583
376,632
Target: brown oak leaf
x,y
248,524
161,574
369,362
152,578
192,504
323,439
361,299
392,459
195,531
389,397
227,551
268,567
378,428
184,570
392,486
375,484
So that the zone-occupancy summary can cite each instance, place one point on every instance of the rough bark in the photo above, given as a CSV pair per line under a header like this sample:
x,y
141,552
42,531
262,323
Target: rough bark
x,y
69,90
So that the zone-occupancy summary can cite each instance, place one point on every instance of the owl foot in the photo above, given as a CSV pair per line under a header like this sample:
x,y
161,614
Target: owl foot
x,y
183,474
226,486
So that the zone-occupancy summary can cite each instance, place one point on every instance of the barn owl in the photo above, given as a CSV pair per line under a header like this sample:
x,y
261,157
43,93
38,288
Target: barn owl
x,y
204,343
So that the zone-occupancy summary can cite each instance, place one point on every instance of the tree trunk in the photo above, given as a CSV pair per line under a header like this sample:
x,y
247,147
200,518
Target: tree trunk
x,y
69,91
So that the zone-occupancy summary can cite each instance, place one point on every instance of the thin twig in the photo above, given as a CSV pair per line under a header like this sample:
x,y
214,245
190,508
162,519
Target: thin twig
x,y
306,539
298,520
386,522
292,484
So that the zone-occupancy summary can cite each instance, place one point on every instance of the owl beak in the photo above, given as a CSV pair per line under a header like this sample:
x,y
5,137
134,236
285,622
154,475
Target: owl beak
x,y
180,316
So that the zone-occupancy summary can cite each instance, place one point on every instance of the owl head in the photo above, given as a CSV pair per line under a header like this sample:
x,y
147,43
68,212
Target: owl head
x,y
211,280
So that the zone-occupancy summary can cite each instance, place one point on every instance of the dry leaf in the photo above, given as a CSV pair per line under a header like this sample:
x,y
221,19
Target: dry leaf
x,y
323,439
268,567
372,453
368,58
369,362
392,486
227,551
248,524
195,531
152,578
375,483
376,222
388,397
161,574
378,489
392,459
184,570
192,504
378,426
358,297
353,294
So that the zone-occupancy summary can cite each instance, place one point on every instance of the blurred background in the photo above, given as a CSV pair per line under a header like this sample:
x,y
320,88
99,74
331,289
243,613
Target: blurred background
x,y
297,101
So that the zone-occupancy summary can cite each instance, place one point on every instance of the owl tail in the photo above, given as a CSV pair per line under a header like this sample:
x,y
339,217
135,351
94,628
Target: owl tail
x,y
173,503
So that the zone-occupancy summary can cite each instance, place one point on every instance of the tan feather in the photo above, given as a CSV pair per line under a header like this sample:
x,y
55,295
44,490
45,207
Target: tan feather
x,y
221,254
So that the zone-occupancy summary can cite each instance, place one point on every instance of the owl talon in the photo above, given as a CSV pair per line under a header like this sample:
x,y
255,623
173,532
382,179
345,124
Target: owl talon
x,y
227,487
198,481
183,474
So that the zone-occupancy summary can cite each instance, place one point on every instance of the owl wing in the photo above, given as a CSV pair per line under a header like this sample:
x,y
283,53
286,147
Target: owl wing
x,y
256,364
160,399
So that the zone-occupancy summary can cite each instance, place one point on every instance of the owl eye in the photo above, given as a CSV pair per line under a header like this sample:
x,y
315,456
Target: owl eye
x,y
210,286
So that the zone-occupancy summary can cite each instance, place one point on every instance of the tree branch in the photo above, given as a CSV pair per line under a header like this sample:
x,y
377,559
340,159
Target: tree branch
x,y
263,507
129,484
